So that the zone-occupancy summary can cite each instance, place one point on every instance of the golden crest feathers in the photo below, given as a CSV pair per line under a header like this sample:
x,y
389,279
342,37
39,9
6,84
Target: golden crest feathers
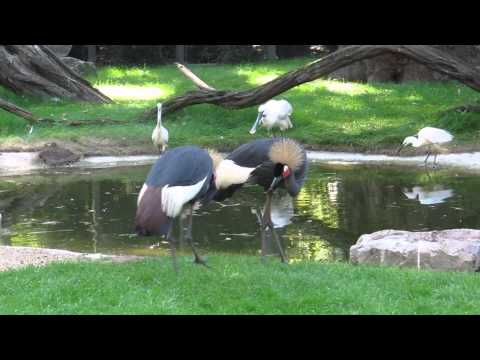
x,y
217,158
288,152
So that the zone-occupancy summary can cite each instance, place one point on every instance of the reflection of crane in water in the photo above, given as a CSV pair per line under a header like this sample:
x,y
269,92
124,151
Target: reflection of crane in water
x,y
281,209
429,197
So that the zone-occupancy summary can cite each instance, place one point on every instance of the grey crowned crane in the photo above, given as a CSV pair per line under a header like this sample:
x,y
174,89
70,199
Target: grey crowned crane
x,y
274,113
271,163
179,179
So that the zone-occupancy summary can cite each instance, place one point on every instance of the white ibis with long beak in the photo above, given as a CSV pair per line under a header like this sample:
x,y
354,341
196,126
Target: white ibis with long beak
x,y
271,163
431,137
179,178
274,113
160,133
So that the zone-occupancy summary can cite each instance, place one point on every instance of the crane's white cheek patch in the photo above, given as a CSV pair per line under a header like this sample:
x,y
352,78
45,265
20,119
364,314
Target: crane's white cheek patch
x,y
229,173
173,198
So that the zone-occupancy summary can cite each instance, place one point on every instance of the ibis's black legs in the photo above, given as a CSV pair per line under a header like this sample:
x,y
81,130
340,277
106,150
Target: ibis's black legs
x,y
435,161
267,222
198,259
426,159
173,249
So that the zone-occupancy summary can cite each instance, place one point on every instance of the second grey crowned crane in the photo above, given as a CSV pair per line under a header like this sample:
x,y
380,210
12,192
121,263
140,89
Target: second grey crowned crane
x,y
270,163
180,178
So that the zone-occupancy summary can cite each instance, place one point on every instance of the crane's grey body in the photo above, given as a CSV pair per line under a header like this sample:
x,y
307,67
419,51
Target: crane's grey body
x,y
185,167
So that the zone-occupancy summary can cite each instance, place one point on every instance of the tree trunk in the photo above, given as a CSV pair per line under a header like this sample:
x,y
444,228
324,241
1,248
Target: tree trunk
x,y
36,70
92,53
14,109
271,52
180,53
434,59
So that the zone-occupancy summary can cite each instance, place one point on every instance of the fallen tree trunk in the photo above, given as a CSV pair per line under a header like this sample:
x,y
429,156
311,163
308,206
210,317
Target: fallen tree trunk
x,y
435,59
36,70
14,109
33,119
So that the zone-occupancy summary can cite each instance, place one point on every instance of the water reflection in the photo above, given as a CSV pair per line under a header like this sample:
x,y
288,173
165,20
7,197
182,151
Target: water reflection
x,y
429,196
94,212
281,209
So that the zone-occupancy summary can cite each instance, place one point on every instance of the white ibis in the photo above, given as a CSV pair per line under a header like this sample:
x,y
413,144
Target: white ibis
x,y
160,133
274,113
180,178
271,163
431,137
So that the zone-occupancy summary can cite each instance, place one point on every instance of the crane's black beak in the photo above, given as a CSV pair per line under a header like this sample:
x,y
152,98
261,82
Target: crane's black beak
x,y
275,183
253,130
400,149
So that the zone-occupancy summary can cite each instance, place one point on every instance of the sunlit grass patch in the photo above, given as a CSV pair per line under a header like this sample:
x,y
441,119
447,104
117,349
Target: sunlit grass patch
x,y
238,285
135,92
326,112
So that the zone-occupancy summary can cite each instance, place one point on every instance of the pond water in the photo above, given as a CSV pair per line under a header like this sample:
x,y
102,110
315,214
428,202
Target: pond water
x,y
93,211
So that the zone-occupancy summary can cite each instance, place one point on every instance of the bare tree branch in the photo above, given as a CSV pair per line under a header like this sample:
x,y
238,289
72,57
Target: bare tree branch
x,y
434,59
196,80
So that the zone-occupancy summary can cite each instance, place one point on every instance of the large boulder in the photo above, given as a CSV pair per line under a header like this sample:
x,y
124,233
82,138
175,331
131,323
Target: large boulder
x,y
54,155
456,249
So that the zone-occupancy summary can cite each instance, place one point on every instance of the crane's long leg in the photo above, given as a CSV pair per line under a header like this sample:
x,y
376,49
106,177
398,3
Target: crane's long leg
x,y
182,230
198,259
267,222
173,251
262,233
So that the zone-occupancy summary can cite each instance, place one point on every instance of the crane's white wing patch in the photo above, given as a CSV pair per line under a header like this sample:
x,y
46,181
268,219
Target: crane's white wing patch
x,y
173,198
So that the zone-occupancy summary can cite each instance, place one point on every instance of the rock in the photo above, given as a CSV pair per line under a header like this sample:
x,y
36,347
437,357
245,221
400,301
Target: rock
x,y
60,50
79,66
456,249
54,155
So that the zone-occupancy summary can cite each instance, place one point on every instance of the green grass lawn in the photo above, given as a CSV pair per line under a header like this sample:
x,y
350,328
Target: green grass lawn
x,y
326,113
238,285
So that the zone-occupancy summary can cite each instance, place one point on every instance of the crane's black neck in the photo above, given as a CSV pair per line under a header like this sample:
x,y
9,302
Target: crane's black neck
x,y
292,185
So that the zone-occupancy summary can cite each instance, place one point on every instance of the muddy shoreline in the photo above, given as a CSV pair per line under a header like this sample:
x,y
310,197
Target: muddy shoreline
x,y
24,163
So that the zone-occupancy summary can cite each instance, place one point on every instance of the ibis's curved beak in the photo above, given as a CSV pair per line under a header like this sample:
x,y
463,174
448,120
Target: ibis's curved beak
x,y
400,149
253,130
275,183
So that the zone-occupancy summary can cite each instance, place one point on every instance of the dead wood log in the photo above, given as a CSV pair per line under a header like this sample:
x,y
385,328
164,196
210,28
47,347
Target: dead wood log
x,y
196,80
34,119
435,59
27,115
36,70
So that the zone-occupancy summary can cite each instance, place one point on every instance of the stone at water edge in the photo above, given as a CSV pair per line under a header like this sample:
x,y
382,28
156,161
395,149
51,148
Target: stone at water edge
x,y
54,155
456,249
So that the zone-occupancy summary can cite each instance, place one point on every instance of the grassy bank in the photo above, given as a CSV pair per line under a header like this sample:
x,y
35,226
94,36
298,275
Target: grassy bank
x,y
327,114
239,285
